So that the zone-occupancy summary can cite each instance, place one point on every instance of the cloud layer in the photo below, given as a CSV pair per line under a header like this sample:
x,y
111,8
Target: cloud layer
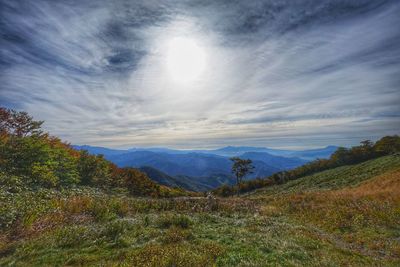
x,y
279,73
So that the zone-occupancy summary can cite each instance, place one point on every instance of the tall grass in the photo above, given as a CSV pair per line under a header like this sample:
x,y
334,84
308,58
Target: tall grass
x,y
366,216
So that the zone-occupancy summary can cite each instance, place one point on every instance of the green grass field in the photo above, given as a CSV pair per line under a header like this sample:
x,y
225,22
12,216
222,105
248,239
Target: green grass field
x,y
347,216
338,178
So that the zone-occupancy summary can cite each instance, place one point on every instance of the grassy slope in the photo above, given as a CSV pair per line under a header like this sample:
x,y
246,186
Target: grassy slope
x,y
352,225
346,176
356,207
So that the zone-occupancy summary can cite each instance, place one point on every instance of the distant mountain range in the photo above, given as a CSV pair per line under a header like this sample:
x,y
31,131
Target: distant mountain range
x,y
229,151
200,170
308,155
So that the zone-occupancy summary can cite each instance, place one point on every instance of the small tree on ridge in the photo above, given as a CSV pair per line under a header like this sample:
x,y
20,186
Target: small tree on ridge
x,y
240,168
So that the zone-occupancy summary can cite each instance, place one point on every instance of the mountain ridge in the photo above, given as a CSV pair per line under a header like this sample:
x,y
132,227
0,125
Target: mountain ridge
x,y
201,170
227,151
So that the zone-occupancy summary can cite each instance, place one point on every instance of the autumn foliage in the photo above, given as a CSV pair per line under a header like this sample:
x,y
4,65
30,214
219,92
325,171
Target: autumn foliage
x,y
32,158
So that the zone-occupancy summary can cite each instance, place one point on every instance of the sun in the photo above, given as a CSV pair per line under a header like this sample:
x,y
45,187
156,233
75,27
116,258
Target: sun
x,y
186,60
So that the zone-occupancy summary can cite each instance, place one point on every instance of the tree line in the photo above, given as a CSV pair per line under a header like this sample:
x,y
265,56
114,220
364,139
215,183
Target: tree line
x,y
342,156
31,158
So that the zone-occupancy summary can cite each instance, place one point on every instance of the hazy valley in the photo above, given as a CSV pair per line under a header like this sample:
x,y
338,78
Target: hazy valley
x,y
202,170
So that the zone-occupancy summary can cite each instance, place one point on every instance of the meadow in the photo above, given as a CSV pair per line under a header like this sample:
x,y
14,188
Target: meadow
x,y
346,216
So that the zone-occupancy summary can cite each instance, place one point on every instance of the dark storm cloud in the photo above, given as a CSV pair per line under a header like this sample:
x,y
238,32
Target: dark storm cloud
x,y
316,72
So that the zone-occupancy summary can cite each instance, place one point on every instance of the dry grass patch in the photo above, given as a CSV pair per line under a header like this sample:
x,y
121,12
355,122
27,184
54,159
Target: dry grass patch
x,y
175,254
367,216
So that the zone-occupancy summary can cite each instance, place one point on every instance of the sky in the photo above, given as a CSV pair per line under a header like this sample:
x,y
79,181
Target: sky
x,y
204,74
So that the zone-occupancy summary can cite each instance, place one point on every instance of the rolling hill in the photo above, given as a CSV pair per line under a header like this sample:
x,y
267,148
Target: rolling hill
x,y
337,178
346,216
198,184
355,207
202,170
191,168
229,151
309,154
185,182
281,163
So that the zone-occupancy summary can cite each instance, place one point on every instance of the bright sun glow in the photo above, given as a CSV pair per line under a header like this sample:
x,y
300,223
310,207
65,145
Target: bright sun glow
x,y
185,59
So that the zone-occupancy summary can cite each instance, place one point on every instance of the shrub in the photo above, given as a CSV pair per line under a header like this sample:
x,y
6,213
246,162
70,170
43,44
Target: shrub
x,y
115,229
176,254
119,207
146,221
74,236
8,216
44,175
93,170
175,235
12,183
101,211
168,220
115,232
76,204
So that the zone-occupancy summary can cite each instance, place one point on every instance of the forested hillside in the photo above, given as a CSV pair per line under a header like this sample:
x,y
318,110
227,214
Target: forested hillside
x,y
31,158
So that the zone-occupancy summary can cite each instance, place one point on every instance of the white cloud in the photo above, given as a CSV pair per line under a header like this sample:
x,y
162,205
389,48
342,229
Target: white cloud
x,y
96,73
